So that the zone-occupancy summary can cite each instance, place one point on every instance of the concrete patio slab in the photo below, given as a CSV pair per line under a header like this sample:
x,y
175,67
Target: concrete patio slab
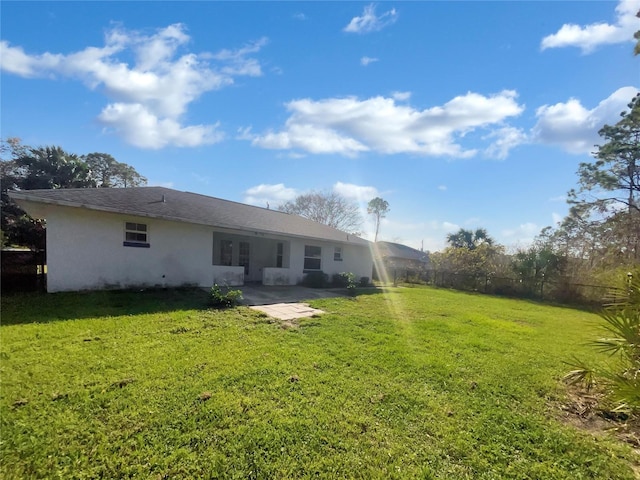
x,y
288,311
269,295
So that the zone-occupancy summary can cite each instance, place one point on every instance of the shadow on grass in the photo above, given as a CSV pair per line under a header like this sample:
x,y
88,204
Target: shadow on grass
x,y
22,308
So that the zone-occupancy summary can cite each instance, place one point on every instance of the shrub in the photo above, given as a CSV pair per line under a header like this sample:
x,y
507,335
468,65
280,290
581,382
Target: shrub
x,y
315,280
224,298
344,279
364,281
620,379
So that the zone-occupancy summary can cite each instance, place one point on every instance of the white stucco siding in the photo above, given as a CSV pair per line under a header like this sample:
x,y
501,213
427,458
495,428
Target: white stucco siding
x,y
85,251
355,259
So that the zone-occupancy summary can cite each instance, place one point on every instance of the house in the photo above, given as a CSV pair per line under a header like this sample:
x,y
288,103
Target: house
x,y
394,259
100,238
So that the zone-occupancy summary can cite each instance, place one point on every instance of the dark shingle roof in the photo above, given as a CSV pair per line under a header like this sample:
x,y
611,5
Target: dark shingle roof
x,y
188,207
397,250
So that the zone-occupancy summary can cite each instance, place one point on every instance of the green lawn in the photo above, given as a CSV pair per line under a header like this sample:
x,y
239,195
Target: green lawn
x,y
412,383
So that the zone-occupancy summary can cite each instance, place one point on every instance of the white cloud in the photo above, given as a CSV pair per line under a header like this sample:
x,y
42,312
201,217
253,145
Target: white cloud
x,y
559,198
442,187
557,218
506,139
370,22
141,128
152,92
348,126
588,37
299,16
523,234
360,193
364,61
271,195
574,128
401,96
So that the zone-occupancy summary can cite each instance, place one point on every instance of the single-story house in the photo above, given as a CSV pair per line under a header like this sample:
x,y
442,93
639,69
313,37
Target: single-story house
x,y
393,259
100,238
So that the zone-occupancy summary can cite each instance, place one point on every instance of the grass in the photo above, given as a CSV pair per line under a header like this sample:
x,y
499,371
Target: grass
x,y
413,383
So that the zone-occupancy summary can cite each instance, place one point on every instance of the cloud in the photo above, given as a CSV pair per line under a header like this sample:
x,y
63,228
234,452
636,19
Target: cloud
x,y
360,193
506,139
299,16
589,37
152,91
141,128
268,194
557,218
349,126
364,61
442,187
524,233
370,22
574,128
401,96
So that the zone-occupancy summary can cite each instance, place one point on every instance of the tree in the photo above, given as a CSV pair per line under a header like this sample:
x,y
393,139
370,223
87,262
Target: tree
x,y
108,172
616,171
469,239
328,208
610,186
378,208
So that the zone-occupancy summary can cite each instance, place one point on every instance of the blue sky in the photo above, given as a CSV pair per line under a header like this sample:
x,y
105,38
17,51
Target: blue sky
x,y
459,114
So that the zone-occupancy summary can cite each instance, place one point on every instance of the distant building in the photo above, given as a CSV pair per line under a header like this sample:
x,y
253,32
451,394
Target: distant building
x,y
394,259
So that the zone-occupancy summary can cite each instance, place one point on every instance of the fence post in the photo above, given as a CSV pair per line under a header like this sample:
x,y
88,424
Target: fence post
x,y
542,288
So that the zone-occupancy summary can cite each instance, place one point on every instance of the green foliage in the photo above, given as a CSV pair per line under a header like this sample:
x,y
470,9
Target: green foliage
x,y
536,265
108,172
621,377
343,279
224,297
316,280
469,239
365,281
409,383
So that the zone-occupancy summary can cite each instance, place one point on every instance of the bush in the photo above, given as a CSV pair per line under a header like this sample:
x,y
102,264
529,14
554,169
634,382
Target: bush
x,y
621,378
364,281
344,279
224,298
316,280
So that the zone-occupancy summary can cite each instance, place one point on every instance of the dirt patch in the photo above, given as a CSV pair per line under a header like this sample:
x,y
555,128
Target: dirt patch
x,y
584,410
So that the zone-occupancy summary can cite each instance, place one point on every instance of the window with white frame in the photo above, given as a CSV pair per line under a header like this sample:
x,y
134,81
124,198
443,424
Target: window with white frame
x,y
136,235
312,257
337,254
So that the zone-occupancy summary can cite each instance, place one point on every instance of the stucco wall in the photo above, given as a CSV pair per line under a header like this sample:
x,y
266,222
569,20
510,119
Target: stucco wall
x,y
85,251
356,259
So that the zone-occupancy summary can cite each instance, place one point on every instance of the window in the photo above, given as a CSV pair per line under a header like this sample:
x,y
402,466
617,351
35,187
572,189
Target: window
x,y
279,255
312,257
337,254
226,252
243,256
136,235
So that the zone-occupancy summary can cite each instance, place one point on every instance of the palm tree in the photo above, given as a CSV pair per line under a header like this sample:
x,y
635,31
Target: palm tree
x,y
469,239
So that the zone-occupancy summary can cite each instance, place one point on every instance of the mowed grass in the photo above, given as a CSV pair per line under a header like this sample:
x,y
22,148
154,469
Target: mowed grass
x,y
410,383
